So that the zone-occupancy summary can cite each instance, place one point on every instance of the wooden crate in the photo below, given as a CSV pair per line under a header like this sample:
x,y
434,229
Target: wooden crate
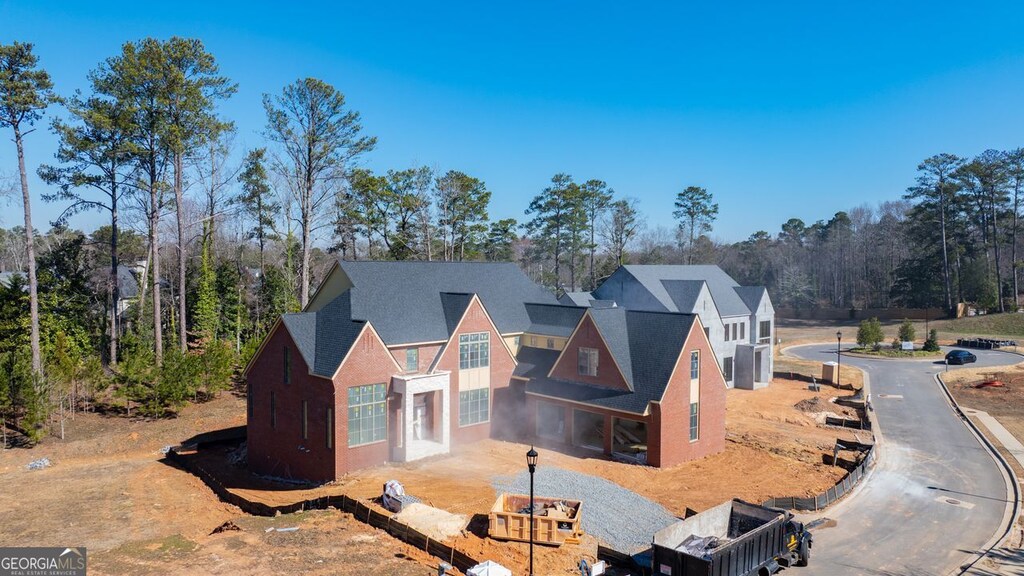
x,y
505,522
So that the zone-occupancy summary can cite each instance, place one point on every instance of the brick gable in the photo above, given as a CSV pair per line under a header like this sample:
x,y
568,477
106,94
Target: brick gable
x,y
566,367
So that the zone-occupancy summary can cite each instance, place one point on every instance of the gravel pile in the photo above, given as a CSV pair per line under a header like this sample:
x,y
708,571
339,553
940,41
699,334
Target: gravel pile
x,y
623,519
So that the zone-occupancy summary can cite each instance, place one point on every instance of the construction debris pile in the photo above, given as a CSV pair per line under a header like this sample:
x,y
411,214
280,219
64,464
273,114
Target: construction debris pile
x,y
559,510
39,464
701,546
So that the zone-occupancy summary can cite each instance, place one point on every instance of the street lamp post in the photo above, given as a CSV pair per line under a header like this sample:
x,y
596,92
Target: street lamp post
x,y
839,359
531,463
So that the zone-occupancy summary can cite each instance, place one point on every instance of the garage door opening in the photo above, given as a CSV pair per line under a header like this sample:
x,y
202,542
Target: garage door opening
x,y
629,440
588,430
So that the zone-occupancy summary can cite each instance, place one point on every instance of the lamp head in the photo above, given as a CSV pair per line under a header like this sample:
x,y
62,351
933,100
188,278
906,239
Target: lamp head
x,y
531,459
839,335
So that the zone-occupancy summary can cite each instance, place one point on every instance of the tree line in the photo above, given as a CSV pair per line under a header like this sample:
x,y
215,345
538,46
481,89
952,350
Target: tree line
x,y
218,242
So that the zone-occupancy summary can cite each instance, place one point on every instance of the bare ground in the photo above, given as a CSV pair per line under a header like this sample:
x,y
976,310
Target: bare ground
x,y
110,489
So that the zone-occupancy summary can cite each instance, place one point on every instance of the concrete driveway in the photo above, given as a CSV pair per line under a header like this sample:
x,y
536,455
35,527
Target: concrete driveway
x,y
935,497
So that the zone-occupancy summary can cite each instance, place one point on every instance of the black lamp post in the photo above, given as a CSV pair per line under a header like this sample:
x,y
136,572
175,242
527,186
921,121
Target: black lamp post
x,y
839,359
531,462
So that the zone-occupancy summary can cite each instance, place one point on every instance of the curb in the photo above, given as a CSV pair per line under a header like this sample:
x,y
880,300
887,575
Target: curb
x,y
876,434
1009,477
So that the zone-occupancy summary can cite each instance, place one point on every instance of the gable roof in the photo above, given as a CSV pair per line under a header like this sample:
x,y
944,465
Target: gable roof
x,y
576,298
684,293
653,278
553,319
324,337
751,296
646,346
404,302
127,284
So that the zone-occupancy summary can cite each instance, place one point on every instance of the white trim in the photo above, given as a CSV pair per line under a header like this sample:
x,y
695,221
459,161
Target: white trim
x,y
455,332
575,330
355,343
703,335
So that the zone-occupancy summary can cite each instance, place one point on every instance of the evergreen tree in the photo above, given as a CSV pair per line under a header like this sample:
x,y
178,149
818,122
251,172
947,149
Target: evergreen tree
x,y
25,92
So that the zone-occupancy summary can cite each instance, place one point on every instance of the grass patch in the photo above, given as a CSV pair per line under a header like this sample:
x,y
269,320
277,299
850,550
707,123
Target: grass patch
x,y
888,352
1007,324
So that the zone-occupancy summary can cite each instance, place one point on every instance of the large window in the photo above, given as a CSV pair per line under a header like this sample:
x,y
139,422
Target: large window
x,y
474,350
727,368
764,332
474,406
367,414
694,421
587,362
694,365
412,359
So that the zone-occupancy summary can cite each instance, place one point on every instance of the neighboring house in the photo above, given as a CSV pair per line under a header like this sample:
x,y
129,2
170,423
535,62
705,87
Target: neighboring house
x,y
6,278
127,289
740,320
396,361
575,299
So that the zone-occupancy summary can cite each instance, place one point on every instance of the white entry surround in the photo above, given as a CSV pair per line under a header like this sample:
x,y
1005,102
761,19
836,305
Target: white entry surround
x,y
408,385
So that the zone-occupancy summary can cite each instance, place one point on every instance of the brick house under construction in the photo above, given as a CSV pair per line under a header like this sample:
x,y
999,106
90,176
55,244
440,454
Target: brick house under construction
x,y
396,361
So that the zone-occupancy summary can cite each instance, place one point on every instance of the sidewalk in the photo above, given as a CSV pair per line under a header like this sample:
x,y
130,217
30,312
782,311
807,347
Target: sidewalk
x,y
1006,560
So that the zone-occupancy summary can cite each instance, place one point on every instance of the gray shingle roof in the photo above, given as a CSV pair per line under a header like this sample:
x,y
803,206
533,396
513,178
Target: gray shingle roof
x,y
553,319
683,293
649,343
324,337
576,299
751,295
403,299
454,308
653,277
127,284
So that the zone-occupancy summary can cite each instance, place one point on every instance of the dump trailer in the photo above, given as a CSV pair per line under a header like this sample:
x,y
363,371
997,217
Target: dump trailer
x,y
735,538
555,521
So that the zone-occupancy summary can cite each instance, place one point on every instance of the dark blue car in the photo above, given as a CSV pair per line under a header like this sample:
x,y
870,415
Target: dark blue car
x,y
960,357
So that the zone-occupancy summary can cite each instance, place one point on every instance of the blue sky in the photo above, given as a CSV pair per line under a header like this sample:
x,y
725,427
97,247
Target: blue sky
x,y
779,109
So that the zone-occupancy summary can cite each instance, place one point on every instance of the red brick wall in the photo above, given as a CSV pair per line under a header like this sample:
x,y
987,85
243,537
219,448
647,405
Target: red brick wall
x,y
368,362
502,364
281,451
427,354
669,437
567,368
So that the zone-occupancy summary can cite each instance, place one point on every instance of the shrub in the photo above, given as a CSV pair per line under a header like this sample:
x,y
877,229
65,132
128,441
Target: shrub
x,y
869,333
907,332
932,343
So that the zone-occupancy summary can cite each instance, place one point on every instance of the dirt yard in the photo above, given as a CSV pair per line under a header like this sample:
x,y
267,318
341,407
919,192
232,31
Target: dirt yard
x,y
110,489
776,447
1006,404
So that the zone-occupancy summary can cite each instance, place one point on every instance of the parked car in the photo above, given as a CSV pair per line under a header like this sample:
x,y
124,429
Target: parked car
x,y
960,357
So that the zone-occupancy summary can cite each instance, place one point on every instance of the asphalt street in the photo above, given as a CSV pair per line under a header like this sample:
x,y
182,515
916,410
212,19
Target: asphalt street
x,y
935,497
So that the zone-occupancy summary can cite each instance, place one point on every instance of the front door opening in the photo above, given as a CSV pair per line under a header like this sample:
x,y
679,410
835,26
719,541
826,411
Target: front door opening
x,y
422,417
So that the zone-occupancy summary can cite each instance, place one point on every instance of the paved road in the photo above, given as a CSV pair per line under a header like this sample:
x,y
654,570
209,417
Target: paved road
x,y
935,497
